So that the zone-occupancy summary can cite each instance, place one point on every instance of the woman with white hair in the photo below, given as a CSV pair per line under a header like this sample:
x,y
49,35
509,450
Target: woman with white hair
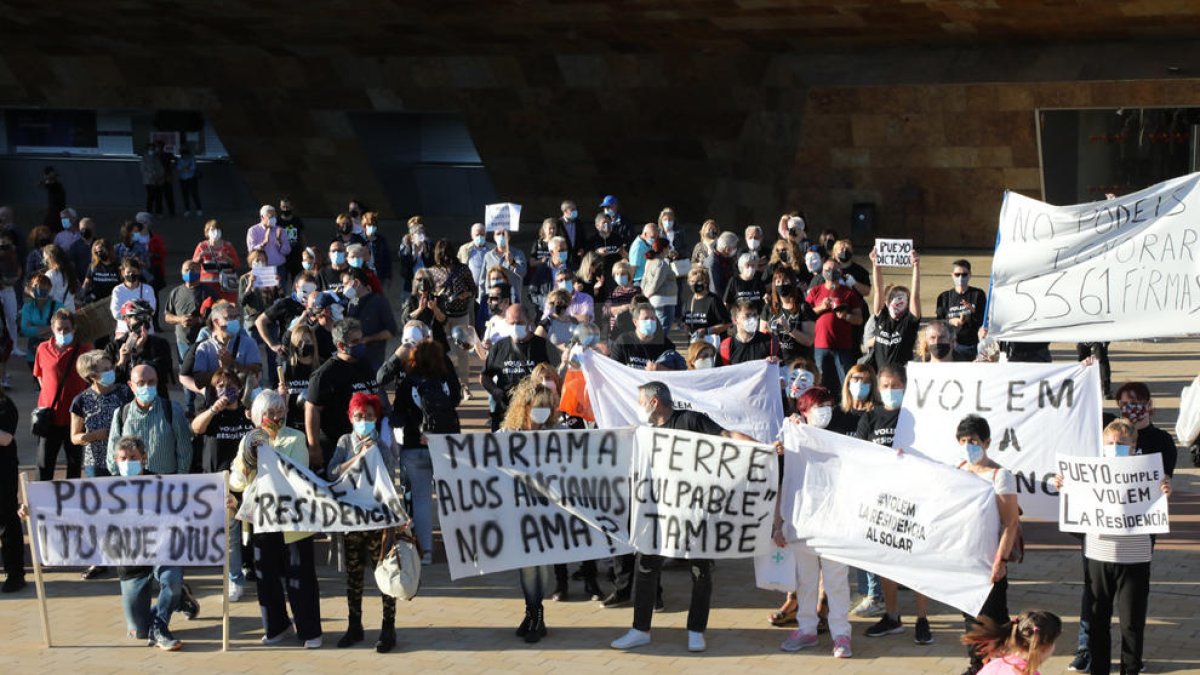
x,y
287,572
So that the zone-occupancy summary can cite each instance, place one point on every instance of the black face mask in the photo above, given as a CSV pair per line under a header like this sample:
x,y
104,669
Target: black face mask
x,y
130,278
305,350
347,229
845,256
285,213
698,288
941,350
86,234
784,289
353,213
559,309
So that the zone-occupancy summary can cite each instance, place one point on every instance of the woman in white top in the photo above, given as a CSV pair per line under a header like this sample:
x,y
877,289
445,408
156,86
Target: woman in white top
x,y
131,288
974,436
63,283
659,284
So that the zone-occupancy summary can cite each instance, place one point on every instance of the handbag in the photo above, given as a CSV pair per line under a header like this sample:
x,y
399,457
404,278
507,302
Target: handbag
x,y
398,570
42,418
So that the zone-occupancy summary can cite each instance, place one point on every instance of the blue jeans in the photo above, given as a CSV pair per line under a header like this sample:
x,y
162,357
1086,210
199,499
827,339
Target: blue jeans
x,y
97,471
418,481
534,581
666,316
868,584
236,576
830,361
135,599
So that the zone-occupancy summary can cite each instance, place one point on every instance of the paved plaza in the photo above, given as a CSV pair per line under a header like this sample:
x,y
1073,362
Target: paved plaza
x,y
467,626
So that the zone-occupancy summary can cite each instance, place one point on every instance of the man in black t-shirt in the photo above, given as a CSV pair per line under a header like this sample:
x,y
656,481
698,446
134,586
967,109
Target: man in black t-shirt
x,y
657,408
898,319
293,227
641,347
326,416
273,324
510,360
747,343
963,308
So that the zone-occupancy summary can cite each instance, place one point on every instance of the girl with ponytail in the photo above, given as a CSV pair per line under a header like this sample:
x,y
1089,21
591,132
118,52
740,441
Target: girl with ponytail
x,y
1017,647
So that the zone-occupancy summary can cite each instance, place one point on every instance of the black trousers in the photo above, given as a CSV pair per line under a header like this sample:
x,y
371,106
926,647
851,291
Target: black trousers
x,y
562,579
47,454
1129,587
291,566
12,546
645,591
154,199
1100,351
168,193
190,190
994,608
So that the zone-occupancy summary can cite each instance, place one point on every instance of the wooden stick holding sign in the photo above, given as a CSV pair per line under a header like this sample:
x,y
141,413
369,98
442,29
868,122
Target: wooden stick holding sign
x,y
225,576
894,252
38,579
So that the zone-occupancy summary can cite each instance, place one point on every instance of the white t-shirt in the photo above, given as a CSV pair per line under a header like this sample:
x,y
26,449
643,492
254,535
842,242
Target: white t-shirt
x,y
123,294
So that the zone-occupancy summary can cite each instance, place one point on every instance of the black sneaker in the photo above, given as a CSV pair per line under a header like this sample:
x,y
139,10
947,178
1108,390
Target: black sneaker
x,y
886,626
921,633
161,637
615,599
189,606
13,583
658,603
1082,662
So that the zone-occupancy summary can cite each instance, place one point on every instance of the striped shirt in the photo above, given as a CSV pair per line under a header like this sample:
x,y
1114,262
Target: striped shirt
x,y
168,446
1123,549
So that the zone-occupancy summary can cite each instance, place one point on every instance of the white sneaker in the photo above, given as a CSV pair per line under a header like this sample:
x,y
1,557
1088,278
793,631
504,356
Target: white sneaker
x,y
869,607
634,638
314,643
236,591
695,641
276,639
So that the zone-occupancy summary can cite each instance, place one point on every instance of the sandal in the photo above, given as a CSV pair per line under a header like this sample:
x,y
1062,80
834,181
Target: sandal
x,y
783,617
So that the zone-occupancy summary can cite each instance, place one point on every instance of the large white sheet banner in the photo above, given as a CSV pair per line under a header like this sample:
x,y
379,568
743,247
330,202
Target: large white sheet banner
x,y
513,499
1113,495
1035,410
1120,269
287,497
918,522
744,398
700,496
139,520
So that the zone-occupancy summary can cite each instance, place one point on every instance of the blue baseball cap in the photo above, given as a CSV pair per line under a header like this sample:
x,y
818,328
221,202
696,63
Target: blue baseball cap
x,y
609,200
671,360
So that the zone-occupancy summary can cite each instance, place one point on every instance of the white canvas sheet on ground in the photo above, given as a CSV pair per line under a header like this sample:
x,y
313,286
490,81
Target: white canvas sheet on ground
x,y
701,496
513,499
917,522
1121,269
1113,495
744,398
1035,411
138,520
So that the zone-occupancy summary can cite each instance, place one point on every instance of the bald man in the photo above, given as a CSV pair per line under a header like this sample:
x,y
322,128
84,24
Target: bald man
x,y
158,421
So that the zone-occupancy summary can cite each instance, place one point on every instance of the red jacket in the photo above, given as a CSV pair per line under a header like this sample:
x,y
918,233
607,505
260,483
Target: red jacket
x,y
49,365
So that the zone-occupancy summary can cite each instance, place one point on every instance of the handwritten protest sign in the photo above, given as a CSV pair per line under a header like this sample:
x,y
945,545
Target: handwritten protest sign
x,y
513,499
918,522
1034,410
1113,495
699,496
505,216
1120,269
894,252
287,497
139,520
265,277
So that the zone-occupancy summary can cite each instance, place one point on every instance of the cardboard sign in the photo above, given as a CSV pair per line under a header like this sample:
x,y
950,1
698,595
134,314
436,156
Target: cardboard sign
x,y
506,216
894,252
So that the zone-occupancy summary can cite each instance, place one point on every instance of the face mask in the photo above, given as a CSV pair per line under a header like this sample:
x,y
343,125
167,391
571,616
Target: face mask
x,y
610,212
1115,450
647,326
146,394
271,221
643,415
338,257
358,351
501,241
820,417
214,235
898,306
753,244
419,238
271,426
233,326
539,415
191,277
142,238
131,279
305,289
286,213
108,378
698,288
831,275
859,390
567,286
561,257
412,335
705,363
66,223
481,241
63,339
86,234
41,293
559,309
749,324
812,261
347,228
622,279
891,398
130,467
602,230
961,282
974,453
307,264
1134,412
356,263
784,289
371,230
337,312
354,213
305,350
520,331
845,256
941,350
364,427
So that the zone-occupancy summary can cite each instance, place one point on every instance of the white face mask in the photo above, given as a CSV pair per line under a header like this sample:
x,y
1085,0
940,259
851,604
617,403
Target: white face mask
x,y
214,235
753,244
520,331
705,363
820,417
643,415
539,415
749,324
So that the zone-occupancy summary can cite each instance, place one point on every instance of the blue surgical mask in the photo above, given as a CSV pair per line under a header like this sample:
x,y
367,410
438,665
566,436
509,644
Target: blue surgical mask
x,y
191,277
891,398
307,264
574,214
561,257
520,331
66,223
481,240
622,279
233,326
146,394
364,427
647,326
129,467
1116,450
356,263
974,452
141,238
338,257
859,390
63,339
108,378
566,285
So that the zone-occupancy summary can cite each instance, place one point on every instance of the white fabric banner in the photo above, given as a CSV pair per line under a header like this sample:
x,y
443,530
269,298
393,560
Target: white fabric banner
x,y
917,522
1121,269
139,520
1113,495
287,497
1035,410
513,499
744,398
701,496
